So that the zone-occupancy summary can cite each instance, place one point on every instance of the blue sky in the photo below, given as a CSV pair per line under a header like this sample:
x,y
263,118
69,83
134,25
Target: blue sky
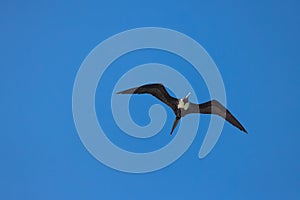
x,y
255,46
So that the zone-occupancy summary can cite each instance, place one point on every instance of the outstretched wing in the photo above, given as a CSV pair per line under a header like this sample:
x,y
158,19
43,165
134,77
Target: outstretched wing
x,y
157,90
215,107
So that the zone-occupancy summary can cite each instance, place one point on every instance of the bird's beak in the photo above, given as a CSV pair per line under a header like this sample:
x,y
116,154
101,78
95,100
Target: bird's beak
x,y
188,95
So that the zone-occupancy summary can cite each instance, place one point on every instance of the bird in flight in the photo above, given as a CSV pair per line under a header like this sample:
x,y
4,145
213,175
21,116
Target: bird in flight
x,y
183,107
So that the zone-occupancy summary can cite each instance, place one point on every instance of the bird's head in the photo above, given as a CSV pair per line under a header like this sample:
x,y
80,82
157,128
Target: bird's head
x,y
186,98
184,103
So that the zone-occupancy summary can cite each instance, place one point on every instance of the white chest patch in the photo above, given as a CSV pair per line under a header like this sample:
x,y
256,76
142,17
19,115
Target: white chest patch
x,y
182,105
186,106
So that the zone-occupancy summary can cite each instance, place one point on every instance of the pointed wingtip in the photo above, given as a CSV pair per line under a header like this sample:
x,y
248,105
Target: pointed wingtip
x,y
125,92
244,130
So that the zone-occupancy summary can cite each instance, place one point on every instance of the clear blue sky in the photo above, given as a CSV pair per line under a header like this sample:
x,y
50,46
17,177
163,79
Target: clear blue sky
x,y
255,45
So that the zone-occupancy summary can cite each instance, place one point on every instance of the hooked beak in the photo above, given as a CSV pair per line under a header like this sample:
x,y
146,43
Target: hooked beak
x,y
187,96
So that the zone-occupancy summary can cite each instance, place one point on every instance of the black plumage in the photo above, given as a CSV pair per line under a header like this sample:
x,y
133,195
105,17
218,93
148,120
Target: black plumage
x,y
178,105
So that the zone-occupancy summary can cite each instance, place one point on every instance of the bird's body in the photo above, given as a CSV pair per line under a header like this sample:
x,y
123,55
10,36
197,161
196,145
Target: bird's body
x,y
182,107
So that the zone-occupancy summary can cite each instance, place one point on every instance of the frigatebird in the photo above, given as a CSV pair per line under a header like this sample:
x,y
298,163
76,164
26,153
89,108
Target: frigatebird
x,y
182,107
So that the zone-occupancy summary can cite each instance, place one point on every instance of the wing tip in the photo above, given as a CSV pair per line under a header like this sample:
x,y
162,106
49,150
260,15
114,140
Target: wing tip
x,y
244,130
128,91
